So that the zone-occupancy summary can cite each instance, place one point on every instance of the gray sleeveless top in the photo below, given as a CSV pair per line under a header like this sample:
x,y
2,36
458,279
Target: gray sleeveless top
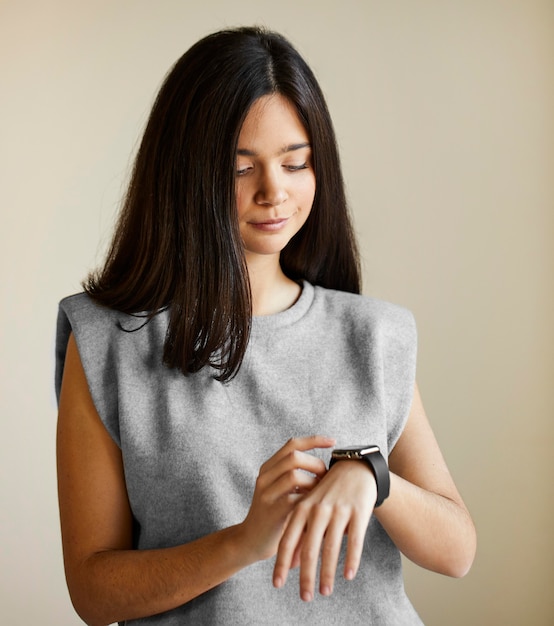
x,y
335,364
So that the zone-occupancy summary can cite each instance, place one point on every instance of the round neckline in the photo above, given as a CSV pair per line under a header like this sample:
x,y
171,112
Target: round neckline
x,y
288,316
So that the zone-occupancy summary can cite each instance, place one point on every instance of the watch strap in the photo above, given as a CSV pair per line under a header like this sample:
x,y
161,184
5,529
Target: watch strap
x,y
380,469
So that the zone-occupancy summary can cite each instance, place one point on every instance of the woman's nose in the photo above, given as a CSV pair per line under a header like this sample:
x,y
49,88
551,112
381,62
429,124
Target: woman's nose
x,y
272,190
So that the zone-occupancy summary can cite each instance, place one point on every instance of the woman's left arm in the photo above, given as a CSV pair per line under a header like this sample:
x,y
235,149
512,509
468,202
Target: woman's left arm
x,y
425,515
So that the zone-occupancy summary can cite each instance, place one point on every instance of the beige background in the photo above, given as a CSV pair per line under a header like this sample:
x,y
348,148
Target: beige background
x,y
444,113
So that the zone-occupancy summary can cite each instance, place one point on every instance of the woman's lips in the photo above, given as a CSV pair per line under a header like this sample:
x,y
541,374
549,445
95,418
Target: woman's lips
x,y
270,225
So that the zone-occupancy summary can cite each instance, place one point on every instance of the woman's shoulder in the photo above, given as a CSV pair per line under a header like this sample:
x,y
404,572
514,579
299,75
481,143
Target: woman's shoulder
x,y
82,305
83,312
361,307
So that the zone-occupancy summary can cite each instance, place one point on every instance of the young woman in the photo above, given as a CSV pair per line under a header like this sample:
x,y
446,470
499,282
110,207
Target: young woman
x,y
218,359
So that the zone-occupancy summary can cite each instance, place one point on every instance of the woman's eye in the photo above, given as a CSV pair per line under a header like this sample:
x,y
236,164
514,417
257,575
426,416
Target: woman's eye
x,y
241,171
295,168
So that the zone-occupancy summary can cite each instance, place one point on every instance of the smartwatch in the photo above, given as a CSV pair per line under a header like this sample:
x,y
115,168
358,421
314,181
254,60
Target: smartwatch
x,y
377,464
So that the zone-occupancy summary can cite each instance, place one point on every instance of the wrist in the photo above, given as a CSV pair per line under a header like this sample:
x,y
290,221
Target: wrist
x,y
241,548
356,473
373,459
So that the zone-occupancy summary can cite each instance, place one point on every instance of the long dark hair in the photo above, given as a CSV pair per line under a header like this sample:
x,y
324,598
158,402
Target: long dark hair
x,y
177,244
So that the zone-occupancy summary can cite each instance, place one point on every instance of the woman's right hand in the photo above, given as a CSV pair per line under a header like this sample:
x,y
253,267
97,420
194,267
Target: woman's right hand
x,y
109,581
283,479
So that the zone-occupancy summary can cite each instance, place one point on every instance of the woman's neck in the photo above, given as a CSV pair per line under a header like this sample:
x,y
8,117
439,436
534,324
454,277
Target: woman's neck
x,y
272,291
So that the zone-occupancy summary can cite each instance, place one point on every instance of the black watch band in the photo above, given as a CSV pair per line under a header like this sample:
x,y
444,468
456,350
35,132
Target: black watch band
x,y
373,457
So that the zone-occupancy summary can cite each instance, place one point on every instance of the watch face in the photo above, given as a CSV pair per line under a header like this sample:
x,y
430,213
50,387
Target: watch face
x,y
357,452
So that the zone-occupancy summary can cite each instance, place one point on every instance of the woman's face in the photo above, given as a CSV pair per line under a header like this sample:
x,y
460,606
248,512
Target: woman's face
x,y
275,181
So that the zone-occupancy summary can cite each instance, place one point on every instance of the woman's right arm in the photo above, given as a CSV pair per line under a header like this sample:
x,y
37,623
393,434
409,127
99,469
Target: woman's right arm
x,y
108,580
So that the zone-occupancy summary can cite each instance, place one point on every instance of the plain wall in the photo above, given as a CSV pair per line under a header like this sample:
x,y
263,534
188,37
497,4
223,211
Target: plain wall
x,y
444,114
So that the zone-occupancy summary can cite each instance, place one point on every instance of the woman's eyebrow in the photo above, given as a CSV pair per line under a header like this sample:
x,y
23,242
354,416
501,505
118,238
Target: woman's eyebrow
x,y
295,146
290,148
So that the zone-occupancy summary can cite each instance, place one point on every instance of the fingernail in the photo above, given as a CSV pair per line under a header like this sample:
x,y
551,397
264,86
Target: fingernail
x,y
326,590
306,596
278,582
349,574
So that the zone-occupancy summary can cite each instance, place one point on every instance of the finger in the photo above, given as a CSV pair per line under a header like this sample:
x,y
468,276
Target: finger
x,y
330,552
296,556
300,444
289,546
317,526
303,461
356,533
311,442
292,462
293,483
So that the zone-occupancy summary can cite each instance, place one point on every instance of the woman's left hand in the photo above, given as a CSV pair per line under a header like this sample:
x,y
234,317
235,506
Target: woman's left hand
x,y
342,503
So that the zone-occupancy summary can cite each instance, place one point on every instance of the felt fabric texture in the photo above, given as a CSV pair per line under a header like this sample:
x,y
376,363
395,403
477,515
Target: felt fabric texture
x,y
335,364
